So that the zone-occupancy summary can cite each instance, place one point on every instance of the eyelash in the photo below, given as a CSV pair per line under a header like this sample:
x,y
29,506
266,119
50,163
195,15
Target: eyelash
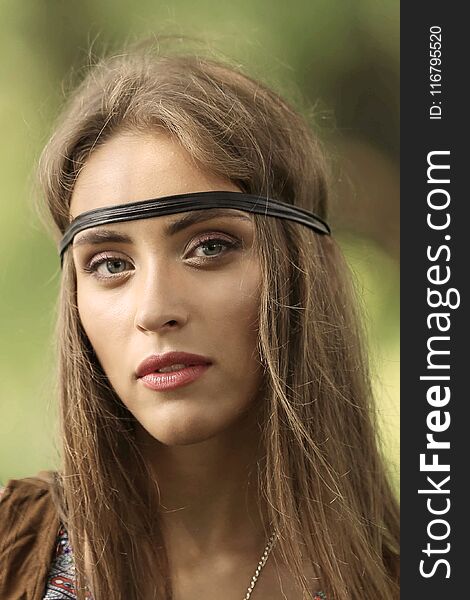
x,y
93,265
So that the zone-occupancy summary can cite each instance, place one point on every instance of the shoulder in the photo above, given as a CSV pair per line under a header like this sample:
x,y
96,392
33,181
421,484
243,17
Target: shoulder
x,y
28,529
32,494
29,496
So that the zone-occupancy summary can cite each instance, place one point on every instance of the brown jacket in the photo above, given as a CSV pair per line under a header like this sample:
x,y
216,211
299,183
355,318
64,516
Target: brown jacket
x,y
29,525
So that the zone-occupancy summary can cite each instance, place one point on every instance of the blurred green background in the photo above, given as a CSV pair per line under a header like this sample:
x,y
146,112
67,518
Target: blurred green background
x,y
337,60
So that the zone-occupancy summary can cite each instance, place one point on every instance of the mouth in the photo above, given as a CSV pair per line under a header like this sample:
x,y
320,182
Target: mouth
x,y
174,376
173,368
170,363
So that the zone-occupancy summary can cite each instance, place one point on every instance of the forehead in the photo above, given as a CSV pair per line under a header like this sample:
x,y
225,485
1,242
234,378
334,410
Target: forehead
x,y
132,166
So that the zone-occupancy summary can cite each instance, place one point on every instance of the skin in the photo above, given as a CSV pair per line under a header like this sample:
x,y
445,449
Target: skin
x,y
201,440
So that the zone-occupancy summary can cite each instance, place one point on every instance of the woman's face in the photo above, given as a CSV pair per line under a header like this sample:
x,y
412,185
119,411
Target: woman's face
x,y
195,291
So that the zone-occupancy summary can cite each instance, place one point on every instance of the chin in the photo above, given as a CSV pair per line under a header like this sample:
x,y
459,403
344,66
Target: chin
x,y
183,435
182,428
182,438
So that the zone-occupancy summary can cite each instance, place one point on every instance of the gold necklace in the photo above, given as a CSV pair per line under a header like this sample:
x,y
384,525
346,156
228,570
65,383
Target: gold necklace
x,y
262,562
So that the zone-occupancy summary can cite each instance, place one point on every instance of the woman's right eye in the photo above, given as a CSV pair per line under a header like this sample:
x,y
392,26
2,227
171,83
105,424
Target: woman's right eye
x,y
107,267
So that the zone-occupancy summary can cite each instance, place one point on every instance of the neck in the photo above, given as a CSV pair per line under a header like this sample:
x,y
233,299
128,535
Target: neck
x,y
209,497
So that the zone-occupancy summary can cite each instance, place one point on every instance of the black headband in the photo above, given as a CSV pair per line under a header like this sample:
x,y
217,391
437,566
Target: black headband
x,y
145,209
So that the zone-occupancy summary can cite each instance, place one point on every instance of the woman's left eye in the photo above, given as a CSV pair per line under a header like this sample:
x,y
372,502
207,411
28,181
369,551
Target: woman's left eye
x,y
211,247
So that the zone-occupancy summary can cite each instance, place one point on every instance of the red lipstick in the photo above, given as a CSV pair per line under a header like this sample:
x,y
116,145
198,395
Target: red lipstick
x,y
186,369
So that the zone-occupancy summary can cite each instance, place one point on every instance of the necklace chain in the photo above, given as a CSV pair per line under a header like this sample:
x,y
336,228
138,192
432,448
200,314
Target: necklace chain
x,y
262,562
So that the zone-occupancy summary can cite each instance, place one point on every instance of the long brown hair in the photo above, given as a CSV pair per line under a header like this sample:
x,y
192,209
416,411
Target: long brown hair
x,y
323,477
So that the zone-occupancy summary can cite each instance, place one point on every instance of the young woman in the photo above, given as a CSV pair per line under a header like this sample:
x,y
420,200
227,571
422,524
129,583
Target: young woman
x,y
218,427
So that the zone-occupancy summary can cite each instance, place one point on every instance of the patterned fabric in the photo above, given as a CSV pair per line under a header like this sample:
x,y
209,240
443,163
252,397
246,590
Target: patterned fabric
x,y
60,581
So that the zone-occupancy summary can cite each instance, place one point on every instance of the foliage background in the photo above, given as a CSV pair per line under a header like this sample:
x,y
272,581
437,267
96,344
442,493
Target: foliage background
x,y
337,60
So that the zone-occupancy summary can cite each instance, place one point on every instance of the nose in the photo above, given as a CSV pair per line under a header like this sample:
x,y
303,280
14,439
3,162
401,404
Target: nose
x,y
160,299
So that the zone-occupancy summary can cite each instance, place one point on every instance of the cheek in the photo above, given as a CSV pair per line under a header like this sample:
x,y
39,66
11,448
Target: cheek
x,y
232,323
103,318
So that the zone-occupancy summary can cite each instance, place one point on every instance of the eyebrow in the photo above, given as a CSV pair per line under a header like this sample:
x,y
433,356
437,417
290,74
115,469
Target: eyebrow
x,y
98,236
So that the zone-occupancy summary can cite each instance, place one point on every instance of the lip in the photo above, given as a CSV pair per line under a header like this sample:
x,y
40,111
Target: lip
x,y
196,365
169,381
